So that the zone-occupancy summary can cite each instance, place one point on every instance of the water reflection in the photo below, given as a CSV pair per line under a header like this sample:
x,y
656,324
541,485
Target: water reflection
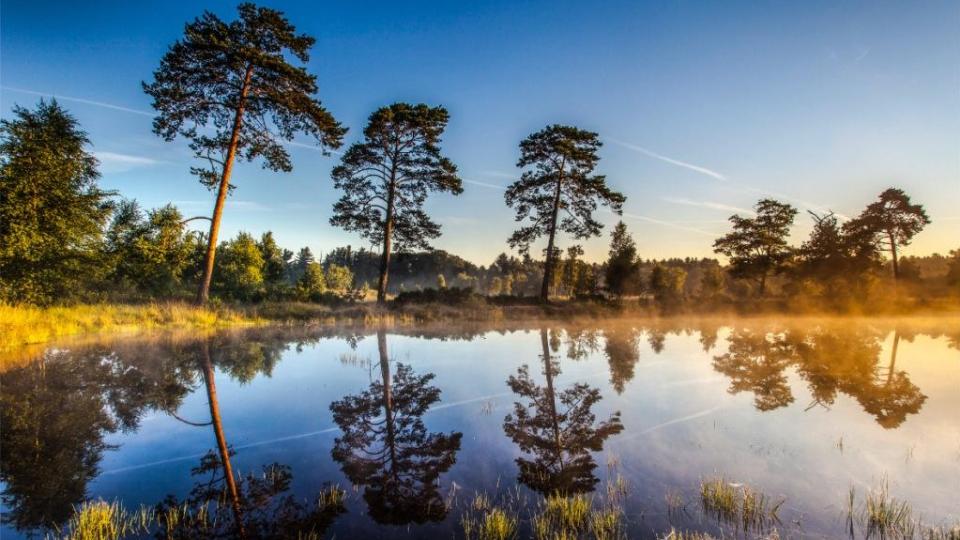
x,y
56,413
830,361
60,413
558,439
386,448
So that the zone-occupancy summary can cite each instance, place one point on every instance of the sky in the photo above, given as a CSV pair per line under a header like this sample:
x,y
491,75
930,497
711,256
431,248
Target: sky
x,y
703,107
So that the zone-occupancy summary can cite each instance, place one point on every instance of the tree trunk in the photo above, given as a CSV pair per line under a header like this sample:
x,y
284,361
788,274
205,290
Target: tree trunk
x,y
551,394
549,262
387,241
763,284
222,448
893,356
387,396
204,292
893,251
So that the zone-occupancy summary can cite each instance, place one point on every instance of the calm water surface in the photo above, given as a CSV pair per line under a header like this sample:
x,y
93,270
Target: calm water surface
x,y
412,424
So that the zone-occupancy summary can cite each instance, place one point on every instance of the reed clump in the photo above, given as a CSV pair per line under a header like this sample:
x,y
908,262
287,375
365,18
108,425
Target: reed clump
x,y
738,504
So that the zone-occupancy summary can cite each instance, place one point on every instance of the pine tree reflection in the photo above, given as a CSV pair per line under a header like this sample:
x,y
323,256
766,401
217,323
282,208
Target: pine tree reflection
x,y
559,442
755,361
622,347
386,448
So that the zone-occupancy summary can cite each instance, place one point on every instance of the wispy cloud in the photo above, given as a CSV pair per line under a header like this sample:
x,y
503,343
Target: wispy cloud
x,y
696,168
500,174
708,204
670,224
85,101
311,147
117,162
484,184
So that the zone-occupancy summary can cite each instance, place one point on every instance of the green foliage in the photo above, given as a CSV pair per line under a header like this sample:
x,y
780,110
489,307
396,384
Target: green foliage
x,y
758,247
621,271
150,254
667,286
312,284
386,178
51,210
339,278
560,180
239,269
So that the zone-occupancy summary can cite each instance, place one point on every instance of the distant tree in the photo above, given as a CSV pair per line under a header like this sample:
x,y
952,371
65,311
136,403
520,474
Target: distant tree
x,y
274,261
561,180
892,221
339,278
621,272
386,179
303,259
572,268
711,282
758,247
157,252
953,271
239,272
667,286
441,281
230,89
52,213
312,284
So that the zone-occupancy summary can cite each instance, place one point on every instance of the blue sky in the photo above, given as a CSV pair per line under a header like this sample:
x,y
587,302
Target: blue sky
x,y
704,107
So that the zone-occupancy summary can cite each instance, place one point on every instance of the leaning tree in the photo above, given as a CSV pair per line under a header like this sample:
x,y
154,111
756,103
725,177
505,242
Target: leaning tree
x,y
560,181
231,90
891,222
386,178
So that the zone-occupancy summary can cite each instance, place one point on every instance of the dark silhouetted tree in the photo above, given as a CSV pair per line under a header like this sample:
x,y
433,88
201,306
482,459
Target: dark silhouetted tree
x,y
892,221
386,179
667,286
758,247
557,429
230,89
386,447
622,265
559,193
51,211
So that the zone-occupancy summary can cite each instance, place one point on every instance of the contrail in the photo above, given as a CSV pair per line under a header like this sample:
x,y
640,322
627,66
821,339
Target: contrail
x,y
484,184
708,204
677,162
79,100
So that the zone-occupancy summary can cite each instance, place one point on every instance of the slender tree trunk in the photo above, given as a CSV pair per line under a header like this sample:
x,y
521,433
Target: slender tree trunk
x,y
204,292
549,262
893,251
387,241
221,439
387,395
763,284
551,394
893,356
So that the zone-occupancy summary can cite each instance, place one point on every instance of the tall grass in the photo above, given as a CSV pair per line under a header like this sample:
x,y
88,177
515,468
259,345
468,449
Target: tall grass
x,y
737,504
23,325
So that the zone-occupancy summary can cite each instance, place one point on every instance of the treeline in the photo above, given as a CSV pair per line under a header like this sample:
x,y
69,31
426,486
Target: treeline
x,y
239,90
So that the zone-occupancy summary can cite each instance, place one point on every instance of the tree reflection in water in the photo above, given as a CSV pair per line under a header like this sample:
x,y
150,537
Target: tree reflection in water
x,y
386,448
559,437
831,361
56,412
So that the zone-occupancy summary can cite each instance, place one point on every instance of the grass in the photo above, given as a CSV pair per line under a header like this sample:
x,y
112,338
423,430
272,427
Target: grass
x,y
100,520
22,325
738,504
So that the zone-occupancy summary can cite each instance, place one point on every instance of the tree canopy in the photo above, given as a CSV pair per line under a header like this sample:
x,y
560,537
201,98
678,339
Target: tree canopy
x,y
230,89
559,193
51,210
386,177
892,221
757,246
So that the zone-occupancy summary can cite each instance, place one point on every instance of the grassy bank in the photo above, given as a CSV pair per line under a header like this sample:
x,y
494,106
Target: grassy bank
x,y
27,325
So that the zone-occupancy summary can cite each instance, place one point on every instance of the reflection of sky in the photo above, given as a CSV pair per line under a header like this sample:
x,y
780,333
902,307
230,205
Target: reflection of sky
x,y
680,423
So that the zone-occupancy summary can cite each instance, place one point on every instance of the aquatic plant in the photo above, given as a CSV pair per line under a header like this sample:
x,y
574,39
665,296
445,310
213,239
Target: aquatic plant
x,y
738,504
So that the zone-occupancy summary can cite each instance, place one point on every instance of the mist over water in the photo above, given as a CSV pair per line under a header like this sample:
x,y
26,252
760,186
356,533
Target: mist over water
x,y
414,423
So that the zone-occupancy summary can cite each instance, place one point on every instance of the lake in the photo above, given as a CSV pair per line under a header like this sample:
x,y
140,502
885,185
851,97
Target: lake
x,y
412,424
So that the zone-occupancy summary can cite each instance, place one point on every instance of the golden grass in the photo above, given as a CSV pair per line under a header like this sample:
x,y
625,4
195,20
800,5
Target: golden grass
x,y
22,326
